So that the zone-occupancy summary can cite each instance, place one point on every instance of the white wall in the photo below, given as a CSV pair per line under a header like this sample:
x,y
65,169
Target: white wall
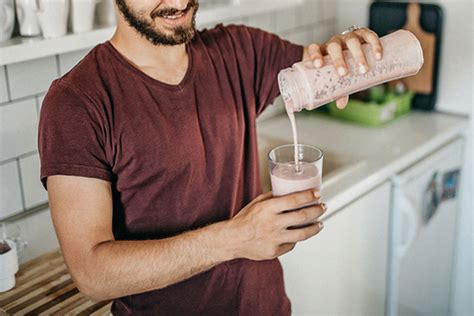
x,y
351,12
455,96
462,291
37,229
456,71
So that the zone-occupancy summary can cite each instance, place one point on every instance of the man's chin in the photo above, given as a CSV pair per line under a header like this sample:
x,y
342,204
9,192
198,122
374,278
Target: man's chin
x,y
161,32
173,30
174,37
180,33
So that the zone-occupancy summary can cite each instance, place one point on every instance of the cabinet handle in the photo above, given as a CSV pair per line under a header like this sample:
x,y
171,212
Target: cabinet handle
x,y
408,208
403,206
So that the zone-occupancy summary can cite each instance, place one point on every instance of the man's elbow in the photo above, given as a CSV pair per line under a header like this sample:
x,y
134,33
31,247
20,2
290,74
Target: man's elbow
x,y
89,276
92,289
90,284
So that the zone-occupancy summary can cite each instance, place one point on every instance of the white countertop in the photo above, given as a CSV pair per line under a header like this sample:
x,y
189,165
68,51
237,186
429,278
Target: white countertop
x,y
368,156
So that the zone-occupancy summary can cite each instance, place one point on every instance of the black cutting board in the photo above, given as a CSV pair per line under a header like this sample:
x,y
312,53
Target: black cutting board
x,y
386,17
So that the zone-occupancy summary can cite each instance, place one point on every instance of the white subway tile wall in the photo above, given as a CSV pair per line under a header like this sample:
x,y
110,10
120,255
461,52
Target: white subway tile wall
x,y
288,19
10,193
33,191
329,8
301,36
39,102
262,21
236,21
18,128
23,86
3,85
311,12
37,229
325,30
69,60
31,77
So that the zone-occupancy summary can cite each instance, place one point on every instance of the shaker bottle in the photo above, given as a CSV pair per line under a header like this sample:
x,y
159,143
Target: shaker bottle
x,y
304,86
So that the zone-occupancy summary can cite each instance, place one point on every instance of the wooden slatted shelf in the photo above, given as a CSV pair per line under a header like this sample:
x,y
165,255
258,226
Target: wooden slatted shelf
x,y
44,287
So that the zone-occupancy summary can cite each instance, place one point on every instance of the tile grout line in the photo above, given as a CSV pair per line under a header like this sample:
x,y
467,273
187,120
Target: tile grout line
x,y
22,189
9,97
25,155
21,99
26,213
37,106
58,66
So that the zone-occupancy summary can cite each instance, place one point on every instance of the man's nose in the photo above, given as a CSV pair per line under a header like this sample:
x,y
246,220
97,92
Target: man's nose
x,y
177,4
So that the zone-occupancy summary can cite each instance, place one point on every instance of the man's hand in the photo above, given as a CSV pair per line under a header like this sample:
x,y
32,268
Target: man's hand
x,y
262,226
335,45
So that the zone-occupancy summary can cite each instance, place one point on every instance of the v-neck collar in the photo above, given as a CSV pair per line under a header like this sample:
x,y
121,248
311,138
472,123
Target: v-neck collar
x,y
180,86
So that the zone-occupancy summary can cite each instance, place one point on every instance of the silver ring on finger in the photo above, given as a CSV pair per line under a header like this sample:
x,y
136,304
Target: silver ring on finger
x,y
352,28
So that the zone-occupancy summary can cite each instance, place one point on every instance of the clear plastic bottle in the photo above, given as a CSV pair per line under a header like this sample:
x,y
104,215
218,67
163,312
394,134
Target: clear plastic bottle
x,y
304,86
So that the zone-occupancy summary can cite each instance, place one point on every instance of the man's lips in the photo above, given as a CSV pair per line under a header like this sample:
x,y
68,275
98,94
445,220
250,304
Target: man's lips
x,y
171,12
176,18
173,17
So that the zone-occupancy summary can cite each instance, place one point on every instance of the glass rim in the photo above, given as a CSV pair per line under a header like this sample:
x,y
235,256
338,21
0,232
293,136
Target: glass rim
x,y
320,156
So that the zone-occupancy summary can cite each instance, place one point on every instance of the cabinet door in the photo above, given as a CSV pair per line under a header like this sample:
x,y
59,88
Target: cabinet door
x,y
425,269
342,270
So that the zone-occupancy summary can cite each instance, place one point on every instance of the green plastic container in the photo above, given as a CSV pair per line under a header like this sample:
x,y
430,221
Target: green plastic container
x,y
372,113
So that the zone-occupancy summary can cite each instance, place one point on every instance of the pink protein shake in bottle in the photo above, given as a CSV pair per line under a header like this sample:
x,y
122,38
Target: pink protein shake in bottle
x,y
304,86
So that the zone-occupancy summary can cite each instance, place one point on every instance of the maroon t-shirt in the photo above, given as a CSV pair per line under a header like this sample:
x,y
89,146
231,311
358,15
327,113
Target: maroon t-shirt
x,y
178,157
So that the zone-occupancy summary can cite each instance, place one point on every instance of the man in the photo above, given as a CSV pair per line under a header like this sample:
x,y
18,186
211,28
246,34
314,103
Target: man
x,y
148,151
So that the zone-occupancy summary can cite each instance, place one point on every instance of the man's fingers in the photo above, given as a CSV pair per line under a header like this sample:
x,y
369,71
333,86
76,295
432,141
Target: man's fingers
x,y
354,46
334,49
300,234
291,201
284,248
316,55
263,197
302,216
342,102
374,41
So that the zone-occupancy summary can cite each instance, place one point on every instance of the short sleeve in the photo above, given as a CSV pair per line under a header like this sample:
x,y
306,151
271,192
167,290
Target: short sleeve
x,y
71,136
268,54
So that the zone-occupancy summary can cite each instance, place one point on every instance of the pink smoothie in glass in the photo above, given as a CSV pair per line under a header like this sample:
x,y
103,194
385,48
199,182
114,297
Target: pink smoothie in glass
x,y
285,179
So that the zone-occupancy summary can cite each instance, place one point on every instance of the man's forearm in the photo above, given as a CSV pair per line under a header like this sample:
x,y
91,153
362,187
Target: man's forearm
x,y
121,268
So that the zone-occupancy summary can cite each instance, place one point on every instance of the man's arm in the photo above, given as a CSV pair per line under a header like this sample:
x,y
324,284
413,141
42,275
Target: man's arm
x,y
104,268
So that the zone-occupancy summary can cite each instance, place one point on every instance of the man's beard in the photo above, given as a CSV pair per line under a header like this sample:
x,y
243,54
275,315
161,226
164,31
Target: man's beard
x,y
180,34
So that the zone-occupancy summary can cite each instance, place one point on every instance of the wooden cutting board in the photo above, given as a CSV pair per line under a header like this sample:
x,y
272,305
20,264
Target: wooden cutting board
x,y
425,21
423,81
